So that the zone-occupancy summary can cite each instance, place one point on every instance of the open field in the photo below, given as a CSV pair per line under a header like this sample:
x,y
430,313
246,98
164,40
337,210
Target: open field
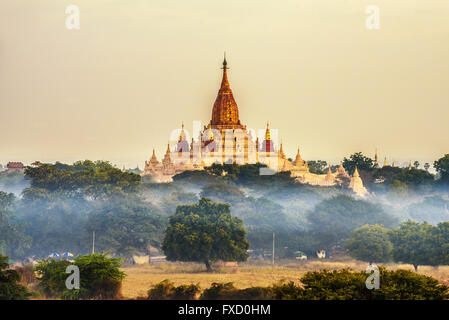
x,y
140,278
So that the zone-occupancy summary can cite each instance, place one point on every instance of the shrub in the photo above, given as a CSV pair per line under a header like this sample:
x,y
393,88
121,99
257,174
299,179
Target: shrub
x,y
287,291
166,290
341,284
409,285
227,291
26,274
100,278
10,289
346,284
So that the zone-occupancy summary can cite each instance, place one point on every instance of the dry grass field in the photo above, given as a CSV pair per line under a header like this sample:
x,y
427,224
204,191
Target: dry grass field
x,y
140,278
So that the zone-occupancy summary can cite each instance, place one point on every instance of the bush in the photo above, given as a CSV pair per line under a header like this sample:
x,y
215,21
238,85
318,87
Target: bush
x,y
166,290
10,289
346,284
26,274
343,284
227,291
287,291
100,278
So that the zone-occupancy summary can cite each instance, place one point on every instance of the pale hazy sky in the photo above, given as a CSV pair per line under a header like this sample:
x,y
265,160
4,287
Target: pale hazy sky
x,y
136,69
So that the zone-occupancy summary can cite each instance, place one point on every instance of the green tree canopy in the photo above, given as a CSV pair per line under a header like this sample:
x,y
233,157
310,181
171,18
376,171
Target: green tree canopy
x,y
100,277
94,179
10,288
317,166
370,243
205,232
334,219
222,192
358,160
415,243
442,167
13,240
126,226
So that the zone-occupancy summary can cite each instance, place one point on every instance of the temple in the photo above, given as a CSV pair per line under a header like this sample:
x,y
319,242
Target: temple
x,y
225,140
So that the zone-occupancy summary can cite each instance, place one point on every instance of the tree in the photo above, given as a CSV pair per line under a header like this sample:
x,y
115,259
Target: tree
x,y
126,226
332,220
222,192
370,243
415,243
205,232
358,160
10,289
97,179
318,166
100,277
54,221
442,167
416,164
426,166
13,240
172,201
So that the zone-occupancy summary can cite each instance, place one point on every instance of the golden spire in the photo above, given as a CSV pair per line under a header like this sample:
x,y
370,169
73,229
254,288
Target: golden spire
x,y
392,164
225,110
211,133
224,80
356,173
385,162
267,132
182,136
167,158
410,165
168,148
329,171
298,160
281,152
153,159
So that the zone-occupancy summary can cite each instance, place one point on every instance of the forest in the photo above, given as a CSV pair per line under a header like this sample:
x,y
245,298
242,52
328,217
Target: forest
x,y
57,207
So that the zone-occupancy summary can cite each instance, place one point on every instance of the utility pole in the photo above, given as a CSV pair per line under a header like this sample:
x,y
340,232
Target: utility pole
x,y
93,242
272,254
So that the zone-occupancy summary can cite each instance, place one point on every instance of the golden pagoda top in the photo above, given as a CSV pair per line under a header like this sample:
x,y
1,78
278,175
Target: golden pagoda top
x,y
281,152
225,112
298,160
267,132
182,135
153,159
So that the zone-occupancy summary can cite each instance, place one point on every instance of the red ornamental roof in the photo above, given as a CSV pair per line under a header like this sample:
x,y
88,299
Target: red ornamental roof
x,y
14,165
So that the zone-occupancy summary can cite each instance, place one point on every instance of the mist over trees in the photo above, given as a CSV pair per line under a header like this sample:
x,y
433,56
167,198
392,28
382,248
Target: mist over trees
x,y
58,206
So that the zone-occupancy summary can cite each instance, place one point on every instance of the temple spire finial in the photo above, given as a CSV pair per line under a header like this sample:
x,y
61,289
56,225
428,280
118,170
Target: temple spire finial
x,y
267,132
356,172
225,63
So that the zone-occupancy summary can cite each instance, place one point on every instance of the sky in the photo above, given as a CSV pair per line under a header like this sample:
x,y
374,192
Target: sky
x,y
135,70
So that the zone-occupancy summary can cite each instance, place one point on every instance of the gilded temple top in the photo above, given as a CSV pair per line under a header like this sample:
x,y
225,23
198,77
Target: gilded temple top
x,y
225,112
